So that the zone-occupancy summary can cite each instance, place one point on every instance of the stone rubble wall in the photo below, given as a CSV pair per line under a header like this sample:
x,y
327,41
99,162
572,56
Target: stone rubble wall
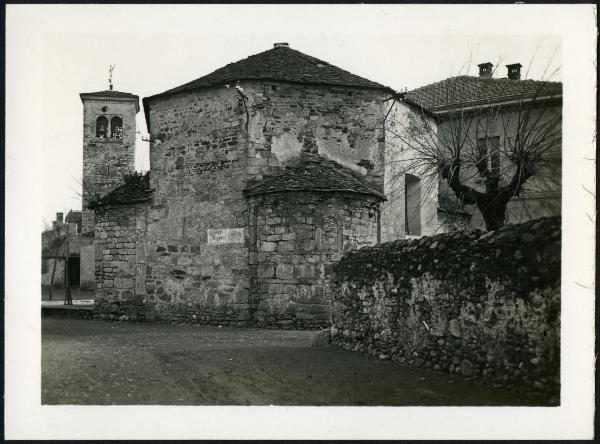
x,y
120,256
198,160
206,145
485,306
342,123
105,161
296,238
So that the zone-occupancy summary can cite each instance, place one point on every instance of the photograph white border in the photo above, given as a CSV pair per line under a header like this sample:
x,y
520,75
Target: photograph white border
x,y
26,418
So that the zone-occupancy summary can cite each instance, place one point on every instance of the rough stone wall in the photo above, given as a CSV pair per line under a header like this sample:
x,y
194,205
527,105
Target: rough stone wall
x,y
206,145
120,255
105,161
484,306
342,123
198,159
296,238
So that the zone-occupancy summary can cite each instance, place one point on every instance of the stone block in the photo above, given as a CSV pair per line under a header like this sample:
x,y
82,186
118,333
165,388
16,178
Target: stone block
x,y
275,288
305,271
289,236
286,246
268,246
285,271
266,270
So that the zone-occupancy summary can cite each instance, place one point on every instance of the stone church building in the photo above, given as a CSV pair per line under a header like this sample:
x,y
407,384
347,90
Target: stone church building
x,y
262,175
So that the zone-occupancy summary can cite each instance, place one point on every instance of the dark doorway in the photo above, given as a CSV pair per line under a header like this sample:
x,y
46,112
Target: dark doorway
x,y
74,266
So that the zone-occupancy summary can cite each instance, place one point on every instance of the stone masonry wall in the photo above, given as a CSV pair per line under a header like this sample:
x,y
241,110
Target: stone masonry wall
x,y
120,255
298,237
484,306
198,159
206,145
342,123
105,161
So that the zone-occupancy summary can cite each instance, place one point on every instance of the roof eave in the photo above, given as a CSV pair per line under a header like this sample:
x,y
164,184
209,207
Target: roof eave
x,y
506,101
251,193
132,98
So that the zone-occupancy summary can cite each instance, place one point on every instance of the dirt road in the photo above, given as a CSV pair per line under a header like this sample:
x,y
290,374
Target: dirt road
x,y
95,362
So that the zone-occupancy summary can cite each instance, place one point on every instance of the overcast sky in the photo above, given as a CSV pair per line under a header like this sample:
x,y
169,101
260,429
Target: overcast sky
x,y
156,48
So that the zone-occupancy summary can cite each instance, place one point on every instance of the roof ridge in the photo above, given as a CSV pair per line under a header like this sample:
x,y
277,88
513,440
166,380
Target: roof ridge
x,y
283,64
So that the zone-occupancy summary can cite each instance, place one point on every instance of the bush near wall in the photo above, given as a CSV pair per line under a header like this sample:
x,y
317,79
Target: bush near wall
x,y
485,306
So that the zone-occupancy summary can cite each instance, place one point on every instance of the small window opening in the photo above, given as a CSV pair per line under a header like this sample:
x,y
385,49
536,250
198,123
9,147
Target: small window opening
x,y
101,127
412,205
116,128
489,151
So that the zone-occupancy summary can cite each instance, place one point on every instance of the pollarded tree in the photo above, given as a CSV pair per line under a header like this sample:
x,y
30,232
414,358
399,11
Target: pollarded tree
x,y
485,137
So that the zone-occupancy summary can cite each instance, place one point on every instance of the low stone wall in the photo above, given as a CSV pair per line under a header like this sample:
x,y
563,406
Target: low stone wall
x,y
482,305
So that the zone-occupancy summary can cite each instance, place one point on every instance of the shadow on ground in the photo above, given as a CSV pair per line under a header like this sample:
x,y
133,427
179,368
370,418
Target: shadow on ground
x,y
96,362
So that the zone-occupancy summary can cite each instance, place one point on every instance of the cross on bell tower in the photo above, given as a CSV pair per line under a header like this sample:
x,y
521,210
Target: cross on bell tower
x,y
110,73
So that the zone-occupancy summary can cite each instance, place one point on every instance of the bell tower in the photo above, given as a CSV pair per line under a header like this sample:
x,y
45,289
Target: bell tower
x,y
109,132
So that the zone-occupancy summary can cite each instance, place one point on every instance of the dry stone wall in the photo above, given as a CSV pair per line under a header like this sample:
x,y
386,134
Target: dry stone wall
x,y
296,238
482,305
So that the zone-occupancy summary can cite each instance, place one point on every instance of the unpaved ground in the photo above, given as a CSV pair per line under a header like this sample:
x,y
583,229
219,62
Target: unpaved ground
x,y
95,362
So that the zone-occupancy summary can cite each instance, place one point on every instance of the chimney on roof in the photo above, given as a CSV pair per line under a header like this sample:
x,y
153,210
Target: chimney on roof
x,y
281,45
514,71
59,217
485,70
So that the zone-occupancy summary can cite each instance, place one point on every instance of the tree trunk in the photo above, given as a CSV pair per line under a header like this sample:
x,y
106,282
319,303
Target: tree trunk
x,y
68,298
493,209
56,248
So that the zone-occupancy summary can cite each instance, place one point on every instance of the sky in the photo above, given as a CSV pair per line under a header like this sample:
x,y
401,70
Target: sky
x,y
156,48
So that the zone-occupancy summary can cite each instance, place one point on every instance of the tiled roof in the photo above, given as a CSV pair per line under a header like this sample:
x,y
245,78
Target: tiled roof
x,y
465,91
135,189
314,173
111,94
280,63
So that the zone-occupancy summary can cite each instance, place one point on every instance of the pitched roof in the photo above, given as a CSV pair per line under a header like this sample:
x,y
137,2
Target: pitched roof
x,y
462,91
135,189
111,94
280,63
314,173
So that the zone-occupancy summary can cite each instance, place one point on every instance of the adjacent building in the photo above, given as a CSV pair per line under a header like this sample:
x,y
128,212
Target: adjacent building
x,y
491,120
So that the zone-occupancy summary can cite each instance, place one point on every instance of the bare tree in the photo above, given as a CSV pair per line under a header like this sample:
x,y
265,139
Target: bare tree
x,y
485,150
57,242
